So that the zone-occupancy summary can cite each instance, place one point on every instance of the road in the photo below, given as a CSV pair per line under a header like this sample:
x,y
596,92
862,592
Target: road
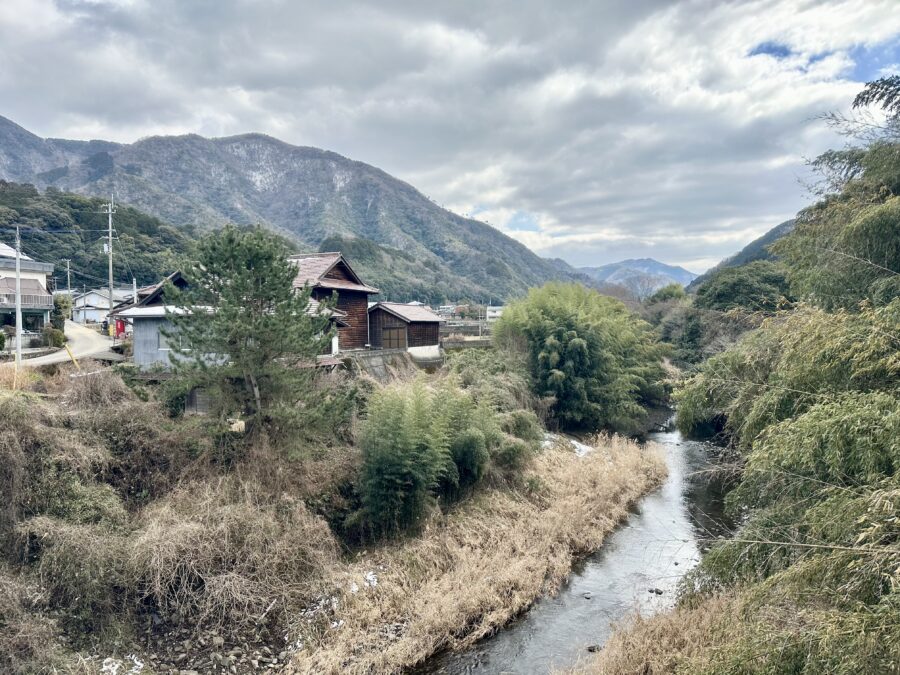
x,y
83,342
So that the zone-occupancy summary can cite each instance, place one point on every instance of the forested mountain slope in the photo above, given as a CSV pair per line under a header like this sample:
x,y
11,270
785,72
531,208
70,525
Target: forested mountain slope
x,y
306,193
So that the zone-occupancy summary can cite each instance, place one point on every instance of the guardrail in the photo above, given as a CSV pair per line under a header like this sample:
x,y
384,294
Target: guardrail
x,y
30,301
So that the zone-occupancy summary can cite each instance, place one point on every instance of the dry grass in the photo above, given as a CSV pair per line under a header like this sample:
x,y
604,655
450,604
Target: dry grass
x,y
225,551
98,389
12,381
661,643
27,639
473,570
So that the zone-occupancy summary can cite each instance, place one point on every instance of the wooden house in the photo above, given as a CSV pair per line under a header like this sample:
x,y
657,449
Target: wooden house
x,y
328,273
394,325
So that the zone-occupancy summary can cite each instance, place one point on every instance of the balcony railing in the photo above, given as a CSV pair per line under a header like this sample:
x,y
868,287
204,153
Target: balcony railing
x,y
8,300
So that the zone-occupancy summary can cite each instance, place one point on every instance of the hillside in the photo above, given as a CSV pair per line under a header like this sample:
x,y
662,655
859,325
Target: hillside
x,y
306,193
758,249
146,247
641,276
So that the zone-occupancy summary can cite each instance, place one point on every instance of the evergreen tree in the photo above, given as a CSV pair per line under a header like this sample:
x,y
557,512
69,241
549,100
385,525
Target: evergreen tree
x,y
242,330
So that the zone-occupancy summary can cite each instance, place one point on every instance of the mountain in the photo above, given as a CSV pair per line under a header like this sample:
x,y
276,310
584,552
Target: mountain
x,y
307,194
60,225
641,276
758,249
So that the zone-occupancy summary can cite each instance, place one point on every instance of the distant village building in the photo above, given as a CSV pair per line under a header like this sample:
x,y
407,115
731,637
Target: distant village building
x,y
93,306
37,301
394,325
328,273
148,317
493,313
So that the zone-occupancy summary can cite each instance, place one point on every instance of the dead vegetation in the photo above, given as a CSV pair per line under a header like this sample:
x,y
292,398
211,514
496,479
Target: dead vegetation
x,y
28,638
663,643
474,569
124,522
226,552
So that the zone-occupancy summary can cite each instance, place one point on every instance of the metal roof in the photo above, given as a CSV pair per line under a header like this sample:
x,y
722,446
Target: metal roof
x,y
409,313
9,252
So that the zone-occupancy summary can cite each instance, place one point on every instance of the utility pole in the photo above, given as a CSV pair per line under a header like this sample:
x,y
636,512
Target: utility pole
x,y
18,301
110,209
69,287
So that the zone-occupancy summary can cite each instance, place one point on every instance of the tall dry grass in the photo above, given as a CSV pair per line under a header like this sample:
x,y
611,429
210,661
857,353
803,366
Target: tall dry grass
x,y
662,643
225,551
474,569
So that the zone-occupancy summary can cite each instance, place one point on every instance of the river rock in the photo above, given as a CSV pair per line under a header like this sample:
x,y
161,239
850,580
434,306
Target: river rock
x,y
593,648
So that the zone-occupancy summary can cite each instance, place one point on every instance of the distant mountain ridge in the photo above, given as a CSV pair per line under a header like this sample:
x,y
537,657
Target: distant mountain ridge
x,y
758,249
642,276
309,194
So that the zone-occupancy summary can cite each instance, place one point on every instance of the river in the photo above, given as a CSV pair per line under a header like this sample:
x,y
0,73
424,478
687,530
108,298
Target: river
x,y
659,542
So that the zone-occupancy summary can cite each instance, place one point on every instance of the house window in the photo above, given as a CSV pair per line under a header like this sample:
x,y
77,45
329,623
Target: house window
x,y
393,338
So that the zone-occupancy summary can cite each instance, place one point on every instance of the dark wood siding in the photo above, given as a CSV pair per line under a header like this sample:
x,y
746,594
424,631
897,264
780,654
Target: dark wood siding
x,y
339,271
378,321
418,333
356,305
423,334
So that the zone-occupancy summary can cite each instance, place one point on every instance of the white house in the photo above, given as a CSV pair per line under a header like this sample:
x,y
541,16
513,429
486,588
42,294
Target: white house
x,y
93,306
37,302
493,313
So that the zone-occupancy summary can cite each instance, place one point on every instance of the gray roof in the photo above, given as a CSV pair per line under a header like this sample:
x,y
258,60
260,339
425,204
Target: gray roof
x,y
29,286
9,252
409,313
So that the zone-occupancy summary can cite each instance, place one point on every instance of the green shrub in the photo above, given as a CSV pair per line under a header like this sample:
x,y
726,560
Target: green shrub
x,y
667,293
83,568
2,340
522,424
420,444
758,286
789,364
62,310
496,378
850,440
405,453
54,338
173,394
587,354
512,454
470,457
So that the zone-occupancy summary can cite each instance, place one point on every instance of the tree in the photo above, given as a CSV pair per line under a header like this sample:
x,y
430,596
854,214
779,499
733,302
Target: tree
x,y
241,329
673,291
756,286
62,310
592,358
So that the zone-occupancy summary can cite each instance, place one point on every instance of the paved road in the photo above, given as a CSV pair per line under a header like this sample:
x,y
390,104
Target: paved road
x,y
83,342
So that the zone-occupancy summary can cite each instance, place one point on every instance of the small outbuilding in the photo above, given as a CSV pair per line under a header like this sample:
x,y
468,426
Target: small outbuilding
x,y
394,325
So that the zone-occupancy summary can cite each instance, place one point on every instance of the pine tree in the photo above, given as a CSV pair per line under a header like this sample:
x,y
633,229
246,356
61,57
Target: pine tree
x,y
242,330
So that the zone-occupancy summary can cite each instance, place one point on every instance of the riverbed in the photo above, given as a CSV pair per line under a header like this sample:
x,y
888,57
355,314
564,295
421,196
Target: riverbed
x,y
638,568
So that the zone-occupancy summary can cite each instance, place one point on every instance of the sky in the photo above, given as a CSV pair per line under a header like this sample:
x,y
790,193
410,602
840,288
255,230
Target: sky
x,y
591,131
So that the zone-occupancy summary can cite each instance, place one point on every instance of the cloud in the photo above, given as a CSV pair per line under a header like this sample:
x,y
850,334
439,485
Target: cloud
x,y
589,131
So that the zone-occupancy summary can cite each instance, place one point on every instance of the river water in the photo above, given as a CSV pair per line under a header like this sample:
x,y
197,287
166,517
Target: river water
x,y
659,542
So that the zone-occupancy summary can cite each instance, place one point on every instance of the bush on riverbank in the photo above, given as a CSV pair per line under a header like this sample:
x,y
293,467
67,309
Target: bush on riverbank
x,y
595,362
424,443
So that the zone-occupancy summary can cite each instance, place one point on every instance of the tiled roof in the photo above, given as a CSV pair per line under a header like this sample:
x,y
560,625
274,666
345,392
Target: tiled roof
x,y
408,312
312,267
29,286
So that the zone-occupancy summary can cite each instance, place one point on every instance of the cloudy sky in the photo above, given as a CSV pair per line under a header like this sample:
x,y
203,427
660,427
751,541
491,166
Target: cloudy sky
x,y
592,131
